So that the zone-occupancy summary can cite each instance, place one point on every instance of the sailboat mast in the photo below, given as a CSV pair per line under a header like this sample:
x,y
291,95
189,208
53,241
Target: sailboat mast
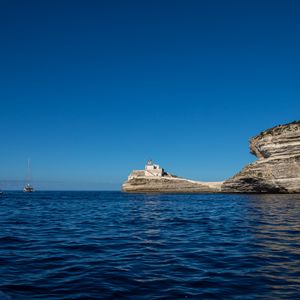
x,y
28,170
28,188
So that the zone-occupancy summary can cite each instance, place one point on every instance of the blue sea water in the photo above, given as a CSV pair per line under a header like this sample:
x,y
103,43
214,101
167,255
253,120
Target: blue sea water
x,y
110,245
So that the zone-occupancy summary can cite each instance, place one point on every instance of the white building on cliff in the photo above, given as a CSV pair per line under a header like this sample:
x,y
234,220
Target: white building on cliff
x,y
153,170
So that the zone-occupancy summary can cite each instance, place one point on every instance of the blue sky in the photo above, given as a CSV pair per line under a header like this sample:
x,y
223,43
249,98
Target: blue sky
x,y
91,89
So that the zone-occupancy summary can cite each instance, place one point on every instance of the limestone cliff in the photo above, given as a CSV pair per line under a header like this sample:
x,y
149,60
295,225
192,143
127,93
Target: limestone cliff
x,y
278,166
277,169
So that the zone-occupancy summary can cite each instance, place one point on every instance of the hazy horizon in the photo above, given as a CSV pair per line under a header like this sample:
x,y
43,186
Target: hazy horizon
x,y
48,185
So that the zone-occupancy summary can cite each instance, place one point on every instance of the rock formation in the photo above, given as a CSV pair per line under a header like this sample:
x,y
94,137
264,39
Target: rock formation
x,y
155,180
169,184
277,169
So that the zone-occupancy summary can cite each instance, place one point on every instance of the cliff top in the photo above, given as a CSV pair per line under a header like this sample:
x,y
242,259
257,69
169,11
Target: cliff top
x,y
275,140
278,129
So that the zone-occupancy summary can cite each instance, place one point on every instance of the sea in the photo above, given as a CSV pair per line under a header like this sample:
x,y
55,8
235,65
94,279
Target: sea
x,y
112,245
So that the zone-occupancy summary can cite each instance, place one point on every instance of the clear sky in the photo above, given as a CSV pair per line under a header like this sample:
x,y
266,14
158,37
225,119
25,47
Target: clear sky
x,y
90,90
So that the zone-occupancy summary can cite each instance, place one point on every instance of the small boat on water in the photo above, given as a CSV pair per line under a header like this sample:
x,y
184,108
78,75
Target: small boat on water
x,y
28,188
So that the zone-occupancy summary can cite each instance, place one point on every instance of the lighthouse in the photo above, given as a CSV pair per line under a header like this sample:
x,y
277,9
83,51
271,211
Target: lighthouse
x,y
153,170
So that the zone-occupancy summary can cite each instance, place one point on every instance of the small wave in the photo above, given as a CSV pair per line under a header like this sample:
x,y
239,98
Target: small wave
x,y
12,239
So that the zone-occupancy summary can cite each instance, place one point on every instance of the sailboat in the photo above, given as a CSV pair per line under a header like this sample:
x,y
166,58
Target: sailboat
x,y
28,188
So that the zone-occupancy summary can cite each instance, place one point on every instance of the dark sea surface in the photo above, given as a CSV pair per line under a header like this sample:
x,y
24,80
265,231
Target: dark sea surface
x,y
110,245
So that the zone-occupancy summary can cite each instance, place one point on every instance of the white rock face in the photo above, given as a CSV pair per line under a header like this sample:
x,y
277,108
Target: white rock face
x,y
278,166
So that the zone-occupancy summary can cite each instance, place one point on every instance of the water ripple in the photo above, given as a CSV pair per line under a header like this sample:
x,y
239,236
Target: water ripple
x,y
109,245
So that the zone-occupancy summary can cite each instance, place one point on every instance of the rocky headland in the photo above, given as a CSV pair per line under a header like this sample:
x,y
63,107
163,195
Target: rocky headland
x,y
154,179
277,169
169,184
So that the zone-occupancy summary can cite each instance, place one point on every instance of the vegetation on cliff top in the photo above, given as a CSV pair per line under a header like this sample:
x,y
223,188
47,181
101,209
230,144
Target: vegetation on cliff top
x,y
276,130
